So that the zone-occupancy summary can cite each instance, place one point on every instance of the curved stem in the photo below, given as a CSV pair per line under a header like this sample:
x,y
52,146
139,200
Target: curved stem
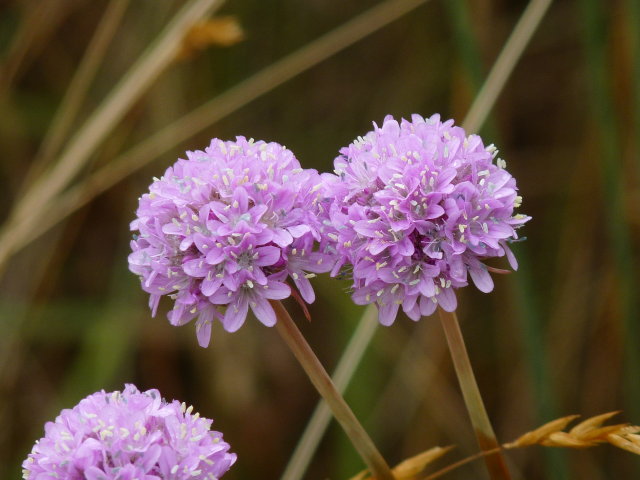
x,y
472,398
321,380
321,417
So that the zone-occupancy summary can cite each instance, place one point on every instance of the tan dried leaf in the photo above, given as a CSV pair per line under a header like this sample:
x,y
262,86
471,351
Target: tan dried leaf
x,y
587,433
591,423
536,436
221,31
412,466
628,442
564,439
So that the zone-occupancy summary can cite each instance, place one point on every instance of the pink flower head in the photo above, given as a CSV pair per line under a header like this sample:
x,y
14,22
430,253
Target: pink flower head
x,y
414,208
125,436
221,232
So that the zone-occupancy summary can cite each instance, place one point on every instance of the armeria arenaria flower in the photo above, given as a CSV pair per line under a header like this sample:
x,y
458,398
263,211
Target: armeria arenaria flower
x,y
128,435
221,232
414,208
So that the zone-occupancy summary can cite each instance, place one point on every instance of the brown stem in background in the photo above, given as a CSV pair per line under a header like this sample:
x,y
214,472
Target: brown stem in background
x,y
472,398
322,381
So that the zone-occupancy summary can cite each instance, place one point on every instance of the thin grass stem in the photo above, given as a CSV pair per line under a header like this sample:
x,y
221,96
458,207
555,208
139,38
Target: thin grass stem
x,y
153,61
22,233
78,87
319,421
621,249
322,382
39,21
528,310
472,398
505,63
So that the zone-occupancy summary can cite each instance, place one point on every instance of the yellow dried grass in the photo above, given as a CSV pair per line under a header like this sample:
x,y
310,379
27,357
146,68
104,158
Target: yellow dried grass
x,y
588,433
410,468
221,31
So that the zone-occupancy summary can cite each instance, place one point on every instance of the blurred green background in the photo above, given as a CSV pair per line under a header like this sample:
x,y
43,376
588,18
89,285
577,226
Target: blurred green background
x,y
560,336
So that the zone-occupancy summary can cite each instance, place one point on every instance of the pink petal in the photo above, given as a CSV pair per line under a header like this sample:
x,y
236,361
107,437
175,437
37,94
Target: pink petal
x,y
150,457
203,333
209,287
94,473
305,288
236,314
427,306
405,247
276,290
387,313
240,195
298,230
510,256
447,299
281,237
263,311
481,278
267,256
203,327
413,313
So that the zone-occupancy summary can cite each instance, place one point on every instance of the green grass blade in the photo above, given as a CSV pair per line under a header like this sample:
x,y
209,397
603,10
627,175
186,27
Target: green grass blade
x,y
596,39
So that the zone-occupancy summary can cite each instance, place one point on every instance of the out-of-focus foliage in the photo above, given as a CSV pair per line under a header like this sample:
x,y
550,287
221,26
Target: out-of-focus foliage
x,y
559,336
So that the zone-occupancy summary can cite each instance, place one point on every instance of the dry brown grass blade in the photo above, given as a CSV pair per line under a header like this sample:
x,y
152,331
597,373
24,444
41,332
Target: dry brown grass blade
x,y
77,89
536,436
411,467
22,229
80,148
592,423
565,440
587,433
39,22
630,442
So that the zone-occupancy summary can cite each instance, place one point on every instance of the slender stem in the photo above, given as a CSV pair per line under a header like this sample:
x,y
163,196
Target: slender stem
x,y
321,380
506,62
319,421
472,398
78,88
97,127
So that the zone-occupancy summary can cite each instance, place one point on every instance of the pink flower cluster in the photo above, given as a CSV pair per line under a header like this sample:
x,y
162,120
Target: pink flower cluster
x,y
128,435
415,208
412,212
222,231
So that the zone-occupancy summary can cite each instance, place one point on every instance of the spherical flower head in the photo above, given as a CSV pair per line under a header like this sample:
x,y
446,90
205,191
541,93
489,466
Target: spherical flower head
x,y
128,435
414,209
221,231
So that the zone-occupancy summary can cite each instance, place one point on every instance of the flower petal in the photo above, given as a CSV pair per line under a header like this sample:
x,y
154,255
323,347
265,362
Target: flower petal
x,y
481,278
263,311
305,288
276,290
447,299
387,313
236,314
